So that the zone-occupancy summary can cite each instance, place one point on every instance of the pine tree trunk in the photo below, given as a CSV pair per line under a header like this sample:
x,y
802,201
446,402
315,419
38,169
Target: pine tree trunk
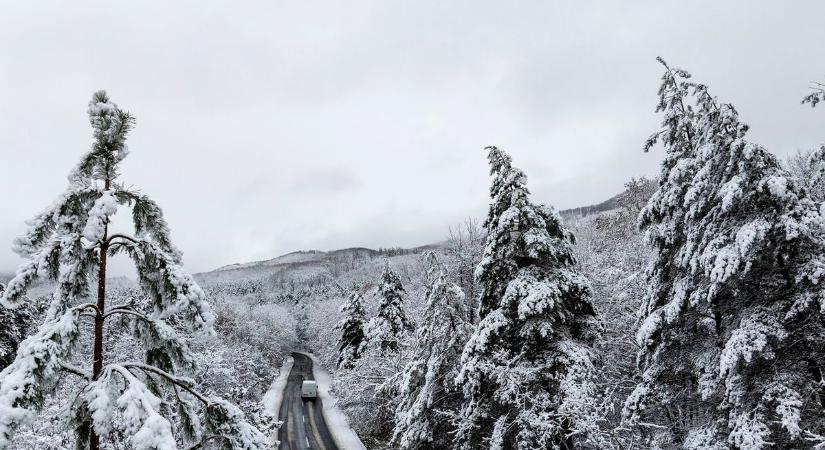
x,y
97,363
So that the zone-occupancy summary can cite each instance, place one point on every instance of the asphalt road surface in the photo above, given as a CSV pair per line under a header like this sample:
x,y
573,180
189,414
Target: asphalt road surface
x,y
304,426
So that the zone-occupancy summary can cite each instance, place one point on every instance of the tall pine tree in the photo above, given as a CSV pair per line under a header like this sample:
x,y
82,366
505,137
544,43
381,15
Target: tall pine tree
x,y
352,340
527,368
428,394
732,342
386,330
69,243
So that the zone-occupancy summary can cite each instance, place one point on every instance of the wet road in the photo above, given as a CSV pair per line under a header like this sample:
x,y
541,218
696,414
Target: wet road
x,y
304,426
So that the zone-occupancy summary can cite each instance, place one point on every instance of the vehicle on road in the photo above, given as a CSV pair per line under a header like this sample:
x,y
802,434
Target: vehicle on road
x,y
309,389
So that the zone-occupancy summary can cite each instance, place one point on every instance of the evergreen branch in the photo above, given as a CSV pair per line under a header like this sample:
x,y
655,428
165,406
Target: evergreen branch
x,y
77,371
184,383
122,236
125,309
83,306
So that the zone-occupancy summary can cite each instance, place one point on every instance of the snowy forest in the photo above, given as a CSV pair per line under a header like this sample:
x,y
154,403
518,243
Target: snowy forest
x,y
684,313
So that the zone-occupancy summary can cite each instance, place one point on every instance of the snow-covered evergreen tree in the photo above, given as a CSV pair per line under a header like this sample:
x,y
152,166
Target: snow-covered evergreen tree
x,y
732,342
352,340
527,368
69,242
385,331
428,394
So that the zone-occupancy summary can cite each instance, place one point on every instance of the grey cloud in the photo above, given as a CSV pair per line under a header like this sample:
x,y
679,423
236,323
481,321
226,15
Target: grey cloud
x,y
266,127
328,181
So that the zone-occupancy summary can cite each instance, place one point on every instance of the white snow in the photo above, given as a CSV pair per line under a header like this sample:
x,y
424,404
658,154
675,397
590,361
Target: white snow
x,y
273,398
344,437
778,186
104,206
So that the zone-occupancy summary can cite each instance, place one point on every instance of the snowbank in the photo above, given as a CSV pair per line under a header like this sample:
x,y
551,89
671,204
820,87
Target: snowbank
x,y
344,437
273,398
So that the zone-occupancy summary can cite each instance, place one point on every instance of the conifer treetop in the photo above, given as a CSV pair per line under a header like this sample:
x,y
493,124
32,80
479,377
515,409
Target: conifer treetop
x,y
60,240
735,296
527,367
521,233
65,243
391,323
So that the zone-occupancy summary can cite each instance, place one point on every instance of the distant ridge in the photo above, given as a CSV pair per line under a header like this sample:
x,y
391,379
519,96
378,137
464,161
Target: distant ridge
x,y
304,257
316,257
584,211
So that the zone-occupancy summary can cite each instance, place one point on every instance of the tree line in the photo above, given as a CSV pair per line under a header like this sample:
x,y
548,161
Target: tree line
x,y
728,336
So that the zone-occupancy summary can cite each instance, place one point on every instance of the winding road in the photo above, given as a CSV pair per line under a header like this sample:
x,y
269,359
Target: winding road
x,y
304,426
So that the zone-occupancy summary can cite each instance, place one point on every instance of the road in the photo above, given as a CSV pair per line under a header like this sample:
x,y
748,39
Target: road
x,y
304,426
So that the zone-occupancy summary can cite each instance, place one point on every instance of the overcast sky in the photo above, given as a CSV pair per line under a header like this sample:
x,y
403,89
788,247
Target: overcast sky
x,y
272,126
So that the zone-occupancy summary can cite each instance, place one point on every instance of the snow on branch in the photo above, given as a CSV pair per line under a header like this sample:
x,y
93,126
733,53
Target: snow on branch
x,y
34,372
139,409
164,348
149,223
757,331
225,420
171,288
43,260
137,405
104,207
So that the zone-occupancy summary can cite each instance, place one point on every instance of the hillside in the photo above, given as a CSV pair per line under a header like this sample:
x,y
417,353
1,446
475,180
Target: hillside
x,y
305,265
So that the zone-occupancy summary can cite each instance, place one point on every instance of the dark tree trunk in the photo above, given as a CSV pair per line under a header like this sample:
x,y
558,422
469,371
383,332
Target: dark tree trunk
x,y
97,363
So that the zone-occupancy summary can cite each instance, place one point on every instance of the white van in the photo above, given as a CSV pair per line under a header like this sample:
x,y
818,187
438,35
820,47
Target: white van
x,y
309,389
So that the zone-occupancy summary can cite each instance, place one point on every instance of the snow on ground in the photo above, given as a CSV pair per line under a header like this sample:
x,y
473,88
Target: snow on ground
x,y
344,437
275,395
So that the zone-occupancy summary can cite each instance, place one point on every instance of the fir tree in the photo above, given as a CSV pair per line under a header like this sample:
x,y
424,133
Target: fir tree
x,y
527,368
387,329
428,394
352,340
732,342
70,242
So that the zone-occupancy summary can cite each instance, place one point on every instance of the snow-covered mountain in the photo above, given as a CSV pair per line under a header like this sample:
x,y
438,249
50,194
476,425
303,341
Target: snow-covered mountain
x,y
301,265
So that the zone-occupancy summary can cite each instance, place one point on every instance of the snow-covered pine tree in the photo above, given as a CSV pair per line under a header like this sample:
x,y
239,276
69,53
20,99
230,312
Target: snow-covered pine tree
x,y
386,330
732,341
817,95
69,242
351,342
527,368
428,394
